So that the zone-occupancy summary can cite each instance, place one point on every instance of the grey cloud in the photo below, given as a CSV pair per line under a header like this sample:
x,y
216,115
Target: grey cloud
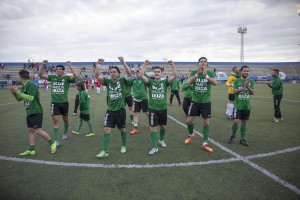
x,y
140,28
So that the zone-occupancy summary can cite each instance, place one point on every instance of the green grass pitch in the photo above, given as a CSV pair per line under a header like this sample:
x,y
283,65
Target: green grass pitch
x,y
176,172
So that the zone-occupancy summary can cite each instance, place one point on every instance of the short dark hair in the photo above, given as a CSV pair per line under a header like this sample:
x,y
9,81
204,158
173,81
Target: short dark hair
x,y
61,66
81,85
276,70
202,58
233,69
245,66
23,73
158,67
117,68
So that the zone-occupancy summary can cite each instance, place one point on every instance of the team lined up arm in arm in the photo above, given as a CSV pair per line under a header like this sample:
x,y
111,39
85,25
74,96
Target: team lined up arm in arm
x,y
174,75
98,75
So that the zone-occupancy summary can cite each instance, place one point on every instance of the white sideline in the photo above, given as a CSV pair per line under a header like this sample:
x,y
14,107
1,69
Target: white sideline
x,y
255,166
114,166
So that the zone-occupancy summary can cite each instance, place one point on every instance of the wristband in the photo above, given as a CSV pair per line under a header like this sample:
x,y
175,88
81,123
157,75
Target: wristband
x,y
196,75
207,76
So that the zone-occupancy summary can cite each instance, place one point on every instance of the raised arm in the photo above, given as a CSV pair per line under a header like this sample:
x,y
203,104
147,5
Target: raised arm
x,y
174,74
72,70
127,69
98,75
41,70
143,70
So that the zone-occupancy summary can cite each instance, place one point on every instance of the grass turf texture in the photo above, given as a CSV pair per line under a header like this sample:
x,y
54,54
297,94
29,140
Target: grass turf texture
x,y
234,180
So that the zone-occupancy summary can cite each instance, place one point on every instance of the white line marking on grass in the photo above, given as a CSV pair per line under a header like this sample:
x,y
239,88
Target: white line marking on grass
x,y
113,166
130,166
273,153
245,160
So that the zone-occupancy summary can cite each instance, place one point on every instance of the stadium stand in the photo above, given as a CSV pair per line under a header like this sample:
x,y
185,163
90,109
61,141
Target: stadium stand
x,y
259,71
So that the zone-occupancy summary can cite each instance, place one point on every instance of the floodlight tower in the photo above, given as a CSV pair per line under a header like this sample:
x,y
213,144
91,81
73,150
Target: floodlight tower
x,y
242,29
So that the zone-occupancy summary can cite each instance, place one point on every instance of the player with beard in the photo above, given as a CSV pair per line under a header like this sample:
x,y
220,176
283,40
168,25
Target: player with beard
x,y
243,88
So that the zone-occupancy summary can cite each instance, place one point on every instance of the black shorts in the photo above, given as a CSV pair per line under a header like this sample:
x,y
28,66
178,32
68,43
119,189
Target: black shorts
x,y
186,104
231,97
197,109
35,120
113,118
59,108
85,117
129,101
241,114
140,105
158,117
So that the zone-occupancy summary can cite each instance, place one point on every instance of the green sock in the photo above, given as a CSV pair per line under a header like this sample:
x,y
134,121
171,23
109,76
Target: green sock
x,y
243,131
131,117
31,148
90,126
234,129
123,136
66,127
56,133
105,142
162,134
190,128
79,125
205,133
51,141
153,139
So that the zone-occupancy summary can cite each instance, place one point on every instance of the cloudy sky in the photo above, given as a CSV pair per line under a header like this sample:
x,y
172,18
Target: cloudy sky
x,y
182,30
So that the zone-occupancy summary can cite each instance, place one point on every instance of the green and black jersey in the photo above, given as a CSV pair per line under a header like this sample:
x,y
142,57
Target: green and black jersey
x,y
31,107
158,94
187,89
59,88
115,93
139,89
84,102
242,100
201,87
277,86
